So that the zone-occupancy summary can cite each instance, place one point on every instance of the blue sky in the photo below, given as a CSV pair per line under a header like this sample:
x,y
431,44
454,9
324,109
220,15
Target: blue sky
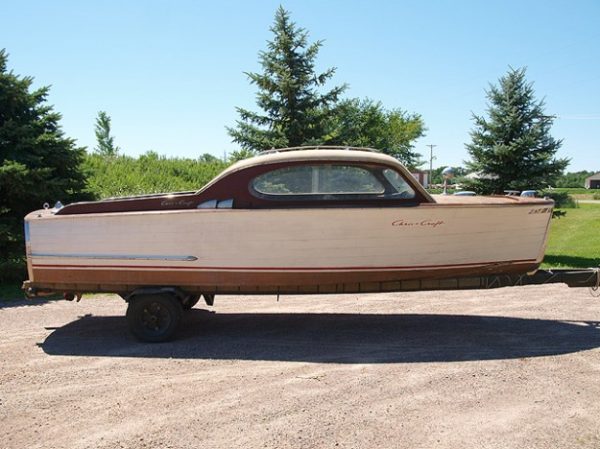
x,y
170,73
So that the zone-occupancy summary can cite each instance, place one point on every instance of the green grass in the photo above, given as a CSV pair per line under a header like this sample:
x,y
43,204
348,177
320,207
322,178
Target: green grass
x,y
573,190
578,193
575,239
576,190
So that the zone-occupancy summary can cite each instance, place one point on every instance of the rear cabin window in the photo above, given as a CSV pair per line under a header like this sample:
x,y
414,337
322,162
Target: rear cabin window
x,y
318,180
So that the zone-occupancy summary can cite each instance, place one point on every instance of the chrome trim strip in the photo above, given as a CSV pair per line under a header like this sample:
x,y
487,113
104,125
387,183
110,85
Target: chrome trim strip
x,y
118,256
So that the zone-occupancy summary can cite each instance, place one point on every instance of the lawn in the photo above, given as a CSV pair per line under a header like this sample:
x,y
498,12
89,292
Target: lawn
x,y
575,239
576,190
579,193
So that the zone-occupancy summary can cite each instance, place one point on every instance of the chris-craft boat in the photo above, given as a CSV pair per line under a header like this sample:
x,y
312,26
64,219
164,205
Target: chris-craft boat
x,y
304,220
296,220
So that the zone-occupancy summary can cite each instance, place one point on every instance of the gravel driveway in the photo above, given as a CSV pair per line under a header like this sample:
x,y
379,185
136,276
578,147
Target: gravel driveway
x,y
515,367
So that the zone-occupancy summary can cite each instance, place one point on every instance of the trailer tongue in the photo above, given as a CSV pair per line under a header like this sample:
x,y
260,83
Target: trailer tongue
x,y
589,277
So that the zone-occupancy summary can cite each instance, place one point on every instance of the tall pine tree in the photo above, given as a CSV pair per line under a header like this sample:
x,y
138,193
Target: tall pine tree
x,y
513,148
105,140
294,111
37,162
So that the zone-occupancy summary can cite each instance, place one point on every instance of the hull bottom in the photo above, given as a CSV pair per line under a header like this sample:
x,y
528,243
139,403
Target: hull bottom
x,y
84,280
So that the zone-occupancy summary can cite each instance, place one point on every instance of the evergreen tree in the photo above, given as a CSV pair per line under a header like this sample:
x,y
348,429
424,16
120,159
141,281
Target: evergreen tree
x,y
368,124
513,148
105,141
288,92
37,163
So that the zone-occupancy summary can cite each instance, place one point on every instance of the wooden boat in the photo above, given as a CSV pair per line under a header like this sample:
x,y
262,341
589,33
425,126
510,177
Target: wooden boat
x,y
304,220
287,221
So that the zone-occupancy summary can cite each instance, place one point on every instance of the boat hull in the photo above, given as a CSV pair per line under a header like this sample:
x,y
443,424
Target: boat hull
x,y
284,250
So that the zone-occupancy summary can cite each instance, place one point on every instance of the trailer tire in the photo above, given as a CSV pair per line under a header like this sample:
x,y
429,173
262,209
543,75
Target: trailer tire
x,y
153,318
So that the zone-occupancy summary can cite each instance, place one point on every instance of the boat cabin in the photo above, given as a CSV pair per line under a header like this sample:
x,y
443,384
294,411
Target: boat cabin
x,y
290,178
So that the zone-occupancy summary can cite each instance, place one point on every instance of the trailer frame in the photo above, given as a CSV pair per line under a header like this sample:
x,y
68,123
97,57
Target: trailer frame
x,y
154,312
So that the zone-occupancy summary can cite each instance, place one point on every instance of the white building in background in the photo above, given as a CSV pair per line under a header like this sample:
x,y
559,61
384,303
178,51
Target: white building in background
x,y
593,182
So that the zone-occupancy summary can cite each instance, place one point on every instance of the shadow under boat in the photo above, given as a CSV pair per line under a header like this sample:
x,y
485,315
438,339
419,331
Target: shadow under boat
x,y
331,337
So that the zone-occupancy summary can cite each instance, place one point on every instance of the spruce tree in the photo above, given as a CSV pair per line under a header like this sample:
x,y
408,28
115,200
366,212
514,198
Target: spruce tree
x,y
512,149
105,141
294,112
38,163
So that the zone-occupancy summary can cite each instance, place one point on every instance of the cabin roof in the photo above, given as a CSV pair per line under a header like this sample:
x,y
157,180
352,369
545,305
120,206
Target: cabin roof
x,y
593,177
311,154
317,154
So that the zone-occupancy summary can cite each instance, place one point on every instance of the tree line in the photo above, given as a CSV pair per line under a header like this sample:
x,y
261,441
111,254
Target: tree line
x,y
511,147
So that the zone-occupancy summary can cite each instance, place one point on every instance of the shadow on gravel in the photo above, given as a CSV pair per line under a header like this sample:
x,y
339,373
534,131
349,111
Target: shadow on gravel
x,y
332,338
20,302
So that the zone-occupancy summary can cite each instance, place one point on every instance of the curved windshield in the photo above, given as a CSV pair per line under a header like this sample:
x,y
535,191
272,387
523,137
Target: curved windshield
x,y
398,183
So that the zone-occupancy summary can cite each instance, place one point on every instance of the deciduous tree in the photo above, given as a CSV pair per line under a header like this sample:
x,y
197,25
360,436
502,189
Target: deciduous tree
x,y
366,123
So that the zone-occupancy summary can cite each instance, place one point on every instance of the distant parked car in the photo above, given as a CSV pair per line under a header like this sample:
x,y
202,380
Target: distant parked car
x,y
528,193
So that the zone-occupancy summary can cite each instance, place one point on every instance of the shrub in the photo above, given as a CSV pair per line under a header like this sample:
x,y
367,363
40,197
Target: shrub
x,y
562,200
13,269
149,173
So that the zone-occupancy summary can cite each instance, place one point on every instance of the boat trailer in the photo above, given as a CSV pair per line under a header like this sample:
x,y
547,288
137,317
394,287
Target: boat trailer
x,y
153,313
573,277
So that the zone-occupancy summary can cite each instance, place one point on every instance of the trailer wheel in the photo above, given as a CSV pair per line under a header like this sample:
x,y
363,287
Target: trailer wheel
x,y
153,318
190,301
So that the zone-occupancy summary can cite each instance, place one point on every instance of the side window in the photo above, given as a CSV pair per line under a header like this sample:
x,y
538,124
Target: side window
x,y
318,180
403,190
285,181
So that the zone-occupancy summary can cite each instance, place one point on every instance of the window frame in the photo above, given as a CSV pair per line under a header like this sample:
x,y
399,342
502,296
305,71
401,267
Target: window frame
x,y
388,194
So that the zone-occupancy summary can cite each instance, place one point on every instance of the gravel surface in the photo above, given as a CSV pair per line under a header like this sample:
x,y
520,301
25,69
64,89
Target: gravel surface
x,y
508,368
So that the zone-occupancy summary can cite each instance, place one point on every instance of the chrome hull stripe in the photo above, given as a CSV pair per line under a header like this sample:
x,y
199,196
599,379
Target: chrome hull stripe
x,y
118,256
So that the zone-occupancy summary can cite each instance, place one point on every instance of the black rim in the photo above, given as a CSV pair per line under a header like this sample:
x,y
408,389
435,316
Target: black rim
x,y
156,318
